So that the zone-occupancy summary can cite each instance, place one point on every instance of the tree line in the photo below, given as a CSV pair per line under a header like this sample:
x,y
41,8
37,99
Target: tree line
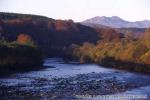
x,y
128,53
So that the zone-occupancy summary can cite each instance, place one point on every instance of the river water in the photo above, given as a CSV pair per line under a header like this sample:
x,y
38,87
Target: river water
x,y
71,81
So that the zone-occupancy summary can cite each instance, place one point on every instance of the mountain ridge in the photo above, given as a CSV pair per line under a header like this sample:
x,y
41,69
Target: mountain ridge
x,y
116,22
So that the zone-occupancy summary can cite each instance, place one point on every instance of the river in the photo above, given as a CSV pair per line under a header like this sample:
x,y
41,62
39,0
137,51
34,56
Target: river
x,y
74,81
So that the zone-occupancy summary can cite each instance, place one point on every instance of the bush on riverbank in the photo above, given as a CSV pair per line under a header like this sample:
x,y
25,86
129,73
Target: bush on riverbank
x,y
16,56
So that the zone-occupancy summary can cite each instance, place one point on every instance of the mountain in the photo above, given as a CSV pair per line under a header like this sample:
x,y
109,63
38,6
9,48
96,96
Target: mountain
x,y
52,36
93,25
115,22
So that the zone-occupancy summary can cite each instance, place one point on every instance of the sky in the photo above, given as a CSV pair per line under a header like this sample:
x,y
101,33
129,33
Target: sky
x,y
79,10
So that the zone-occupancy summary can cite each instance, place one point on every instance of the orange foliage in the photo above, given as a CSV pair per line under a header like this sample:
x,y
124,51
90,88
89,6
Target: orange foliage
x,y
23,38
60,25
109,34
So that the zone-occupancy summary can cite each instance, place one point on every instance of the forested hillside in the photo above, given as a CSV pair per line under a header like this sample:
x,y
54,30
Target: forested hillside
x,y
50,35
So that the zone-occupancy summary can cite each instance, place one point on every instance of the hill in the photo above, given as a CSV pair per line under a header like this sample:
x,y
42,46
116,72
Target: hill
x,y
115,22
52,36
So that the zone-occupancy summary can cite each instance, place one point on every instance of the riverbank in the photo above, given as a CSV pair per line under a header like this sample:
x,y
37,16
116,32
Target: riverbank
x,y
110,62
125,65
16,57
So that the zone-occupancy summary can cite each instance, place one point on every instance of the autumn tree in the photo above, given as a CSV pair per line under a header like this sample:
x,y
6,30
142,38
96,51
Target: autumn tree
x,y
109,34
146,37
25,39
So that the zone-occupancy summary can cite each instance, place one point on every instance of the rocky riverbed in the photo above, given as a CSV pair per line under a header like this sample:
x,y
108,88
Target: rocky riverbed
x,y
70,82
66,88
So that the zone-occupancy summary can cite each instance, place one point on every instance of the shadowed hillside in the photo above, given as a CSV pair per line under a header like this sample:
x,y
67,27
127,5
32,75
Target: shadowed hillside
x,y
52,36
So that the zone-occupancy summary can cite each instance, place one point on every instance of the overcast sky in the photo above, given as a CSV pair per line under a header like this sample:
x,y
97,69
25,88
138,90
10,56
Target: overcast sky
x,y
79,10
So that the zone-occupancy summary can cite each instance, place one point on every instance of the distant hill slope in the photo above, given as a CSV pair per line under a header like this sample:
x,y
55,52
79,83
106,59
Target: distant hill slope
x,y
94,25
52,36
115,22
